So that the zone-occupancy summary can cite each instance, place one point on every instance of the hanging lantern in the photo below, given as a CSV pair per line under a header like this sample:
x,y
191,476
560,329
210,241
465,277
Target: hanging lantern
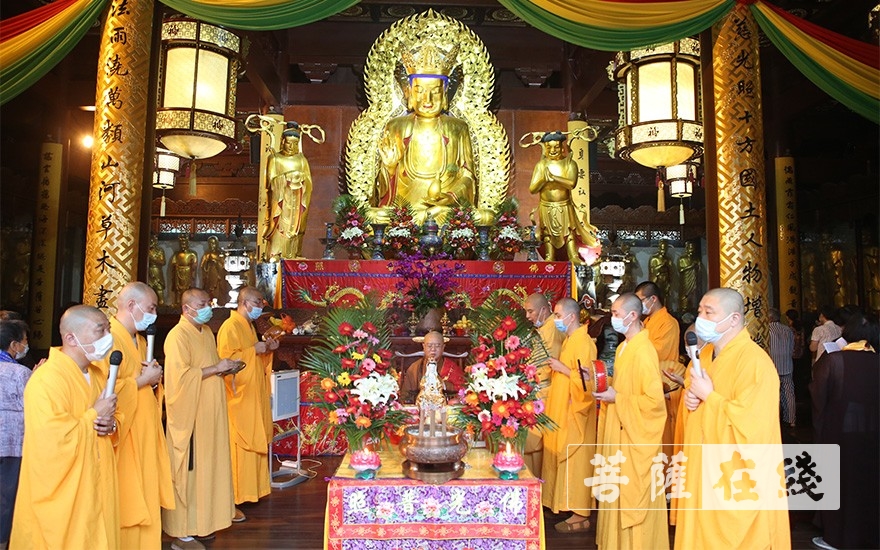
x,y
680,179
167,166
660,112
197,86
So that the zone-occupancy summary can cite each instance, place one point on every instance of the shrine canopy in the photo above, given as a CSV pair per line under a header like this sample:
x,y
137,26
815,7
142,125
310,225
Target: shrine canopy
x,y
322,283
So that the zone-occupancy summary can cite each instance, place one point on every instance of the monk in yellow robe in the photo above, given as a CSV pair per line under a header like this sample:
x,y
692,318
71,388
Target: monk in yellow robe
x,y
569,449
247,397
631,422
67,493
197,429
539,313
665,335
142,454
736,401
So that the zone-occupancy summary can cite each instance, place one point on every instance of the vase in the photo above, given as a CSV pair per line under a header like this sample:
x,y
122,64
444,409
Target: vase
x,y
431,320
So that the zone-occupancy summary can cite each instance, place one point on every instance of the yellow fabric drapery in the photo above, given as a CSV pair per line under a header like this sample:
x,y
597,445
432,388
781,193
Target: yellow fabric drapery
x,y
627,15
16,48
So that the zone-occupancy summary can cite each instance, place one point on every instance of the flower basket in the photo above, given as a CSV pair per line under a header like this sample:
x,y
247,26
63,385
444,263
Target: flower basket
x,y
460,237
352,232
402,233
500,402
352,360
505,237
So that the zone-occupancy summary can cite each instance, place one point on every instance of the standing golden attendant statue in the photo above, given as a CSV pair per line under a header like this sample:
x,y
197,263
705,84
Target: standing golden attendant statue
x,y
554,179
288,182
427,136
184,264
156,269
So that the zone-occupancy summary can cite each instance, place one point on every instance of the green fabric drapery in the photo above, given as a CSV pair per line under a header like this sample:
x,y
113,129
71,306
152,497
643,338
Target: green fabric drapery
x,y
22,74
280,15
608,39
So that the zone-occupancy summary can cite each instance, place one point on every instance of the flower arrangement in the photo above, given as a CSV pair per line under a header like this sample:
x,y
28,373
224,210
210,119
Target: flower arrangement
x,y
500,401
460,238
425,283
402,234
505,238
353,363
351,224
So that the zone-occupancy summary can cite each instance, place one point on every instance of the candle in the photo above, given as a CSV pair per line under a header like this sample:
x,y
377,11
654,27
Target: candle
x,y
508,462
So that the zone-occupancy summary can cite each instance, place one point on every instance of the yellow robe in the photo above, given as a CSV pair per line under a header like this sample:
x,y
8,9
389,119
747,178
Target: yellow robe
x,y
574,411
67,493
633,424
742,409
665,335
197,432
552,338
250,413
142,454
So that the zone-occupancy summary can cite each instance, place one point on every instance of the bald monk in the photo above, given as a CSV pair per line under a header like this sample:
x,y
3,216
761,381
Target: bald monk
x,y
450,372
539,313
197,429
573,409
247,398
67,493
664,332
142,455
736,401
631,421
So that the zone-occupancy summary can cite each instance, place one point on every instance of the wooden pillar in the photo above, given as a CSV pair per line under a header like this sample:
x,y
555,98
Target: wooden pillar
x,y
117,172
739,139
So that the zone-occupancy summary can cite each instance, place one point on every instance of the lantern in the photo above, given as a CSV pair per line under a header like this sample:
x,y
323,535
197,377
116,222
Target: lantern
x,y
660,113
167,166
199,71
680,180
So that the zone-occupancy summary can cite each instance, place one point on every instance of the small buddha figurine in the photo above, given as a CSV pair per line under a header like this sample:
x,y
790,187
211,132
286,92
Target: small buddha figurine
x,y
431,403
659,269
213,272
156,269
688,278
184,264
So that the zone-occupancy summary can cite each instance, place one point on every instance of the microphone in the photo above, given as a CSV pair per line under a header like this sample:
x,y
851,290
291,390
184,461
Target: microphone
x,y
691,340
151,341
115,361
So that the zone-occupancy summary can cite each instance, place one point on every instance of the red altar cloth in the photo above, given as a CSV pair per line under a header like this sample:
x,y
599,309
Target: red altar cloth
x,y
321,283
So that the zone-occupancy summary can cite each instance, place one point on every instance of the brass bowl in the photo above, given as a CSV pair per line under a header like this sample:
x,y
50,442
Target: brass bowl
x,y
441,449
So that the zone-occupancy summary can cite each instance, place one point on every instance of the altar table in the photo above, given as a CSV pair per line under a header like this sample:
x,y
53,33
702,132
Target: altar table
x,y
477,511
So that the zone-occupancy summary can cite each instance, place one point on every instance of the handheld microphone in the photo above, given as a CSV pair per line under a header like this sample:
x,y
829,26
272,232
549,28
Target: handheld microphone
x,y
151,341
691,340
115,361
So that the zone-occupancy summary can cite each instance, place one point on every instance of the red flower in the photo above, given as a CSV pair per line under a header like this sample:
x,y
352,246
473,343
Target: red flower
x,y
507,431
481,354
508,324
369,328
348,363
385,354
331,397
345,329
340,349
499,334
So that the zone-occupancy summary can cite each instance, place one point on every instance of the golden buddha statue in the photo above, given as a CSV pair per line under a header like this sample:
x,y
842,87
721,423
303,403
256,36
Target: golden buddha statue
x,y
156,269
659,268
426,157
289,182
183,268
689,267
213,272
427,137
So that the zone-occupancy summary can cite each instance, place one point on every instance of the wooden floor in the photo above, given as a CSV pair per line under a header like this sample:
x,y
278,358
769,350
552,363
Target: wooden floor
x,y
294,518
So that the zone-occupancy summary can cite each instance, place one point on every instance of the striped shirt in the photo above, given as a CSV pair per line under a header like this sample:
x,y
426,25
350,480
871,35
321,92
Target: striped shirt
x,y
781,347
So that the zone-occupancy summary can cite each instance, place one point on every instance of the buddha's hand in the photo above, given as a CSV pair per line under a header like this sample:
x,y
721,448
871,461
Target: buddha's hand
x,y
435,190
388,151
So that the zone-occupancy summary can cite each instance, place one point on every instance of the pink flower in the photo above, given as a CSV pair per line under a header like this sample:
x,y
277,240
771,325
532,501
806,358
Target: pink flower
x,y
512,342
484,416
359,334
368,364
484,509
539,406
501,362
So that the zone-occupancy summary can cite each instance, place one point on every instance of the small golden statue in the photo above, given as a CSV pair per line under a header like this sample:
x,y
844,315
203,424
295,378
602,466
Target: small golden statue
x,y
554,178
288,186
429,83
213,272
184,264
156,269
689,267
659,270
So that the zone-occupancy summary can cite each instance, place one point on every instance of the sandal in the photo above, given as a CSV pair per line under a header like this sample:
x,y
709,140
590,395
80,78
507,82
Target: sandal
x,y
572,527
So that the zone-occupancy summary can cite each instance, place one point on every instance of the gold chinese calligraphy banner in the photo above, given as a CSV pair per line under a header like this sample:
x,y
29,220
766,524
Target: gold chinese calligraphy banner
x,y
45,247
117,171
787,235
580,154
739,131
